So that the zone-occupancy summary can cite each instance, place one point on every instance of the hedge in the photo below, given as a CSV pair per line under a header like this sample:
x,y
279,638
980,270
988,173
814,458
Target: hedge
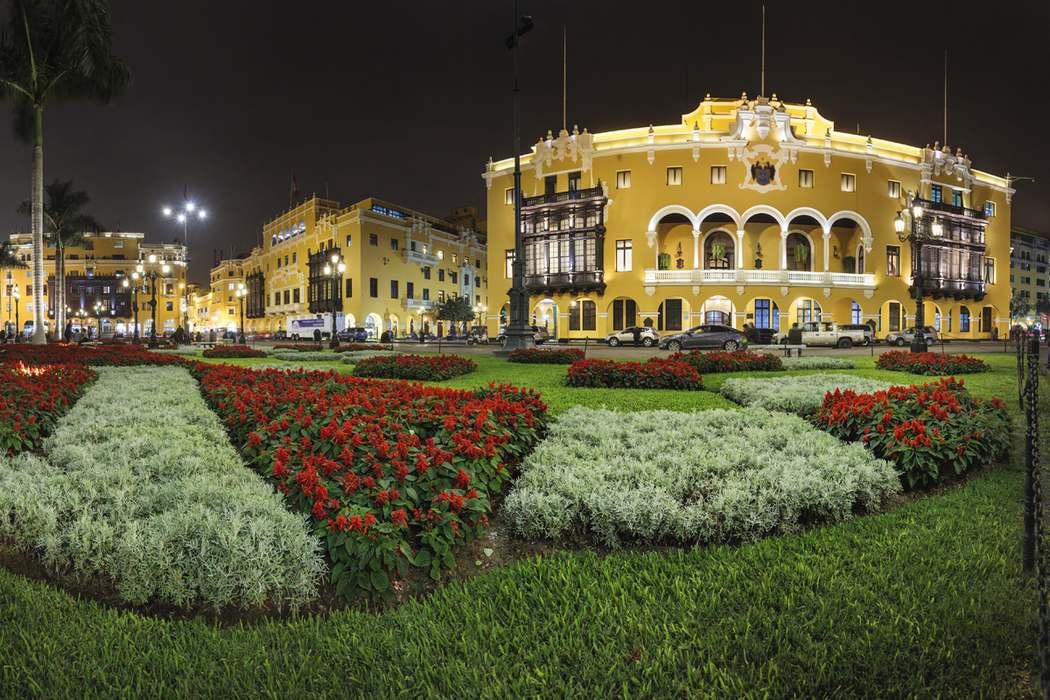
x,y
930,363
536,356
802,395
422,367
233,351
720,361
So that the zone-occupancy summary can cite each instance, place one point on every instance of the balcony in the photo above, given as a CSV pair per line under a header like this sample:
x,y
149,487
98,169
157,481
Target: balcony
x,y
558,282
790,278
558,197
946,208
417,304
424,259
944,287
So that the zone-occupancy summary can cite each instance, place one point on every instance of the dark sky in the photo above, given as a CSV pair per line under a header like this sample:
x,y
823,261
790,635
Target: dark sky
x,y
406,100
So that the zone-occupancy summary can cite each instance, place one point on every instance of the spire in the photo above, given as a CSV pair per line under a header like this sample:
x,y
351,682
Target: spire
x,y
946,95
762,86
564,76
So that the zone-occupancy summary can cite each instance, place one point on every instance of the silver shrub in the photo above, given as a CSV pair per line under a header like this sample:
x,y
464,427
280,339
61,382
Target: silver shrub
x,y
813,362
802,395
355,356
307,355
711,476
141,484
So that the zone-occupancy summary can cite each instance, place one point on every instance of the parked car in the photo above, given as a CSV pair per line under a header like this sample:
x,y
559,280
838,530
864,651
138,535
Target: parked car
x,y
832,334
706,336
539,336
352,335
901,338
635,335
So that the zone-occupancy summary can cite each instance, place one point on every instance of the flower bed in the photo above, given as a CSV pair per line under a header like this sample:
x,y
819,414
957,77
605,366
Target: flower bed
x,y
657,373
111,354
355,356
393,474
719,361
298,347
711,476
233,351
814,362
803,395
535,356
930,363
308,356
357,347
928,432
33,398
430,368
141,485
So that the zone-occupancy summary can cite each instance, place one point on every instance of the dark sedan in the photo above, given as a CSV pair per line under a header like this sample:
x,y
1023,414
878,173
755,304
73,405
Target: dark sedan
x,y
706,336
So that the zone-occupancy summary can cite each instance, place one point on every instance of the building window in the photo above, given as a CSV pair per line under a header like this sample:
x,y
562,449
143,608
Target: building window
x,y
957,198
624,254
393,289
349,287
854,313
441,275
767,314
508,196
426,294
674,176
277,298
410,290
849,182
718,174
669,315
508,258
550,184
989,208
623,179
935,193
426,273
989,270
805,178
373,287
170,306
393,244
589,315
574,181
964,319
349,240
893,189
452,276
625,314
895,316
373,239
295,295
893,260
287,296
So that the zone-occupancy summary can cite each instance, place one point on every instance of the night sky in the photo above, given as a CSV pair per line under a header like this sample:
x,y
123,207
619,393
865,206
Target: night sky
x,y
407,100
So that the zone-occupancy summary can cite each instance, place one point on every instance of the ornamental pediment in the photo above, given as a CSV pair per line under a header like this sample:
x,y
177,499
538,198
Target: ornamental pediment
x,y
567,151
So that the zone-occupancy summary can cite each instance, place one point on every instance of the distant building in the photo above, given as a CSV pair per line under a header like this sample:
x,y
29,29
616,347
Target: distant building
x,y
1030,266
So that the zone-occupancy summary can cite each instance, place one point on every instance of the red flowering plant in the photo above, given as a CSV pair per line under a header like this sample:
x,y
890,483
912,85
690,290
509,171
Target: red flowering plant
x,y
930,363
719,361
94,355
302,347
393,474
929,432
657,373
557,356
233,351
422,367
32,399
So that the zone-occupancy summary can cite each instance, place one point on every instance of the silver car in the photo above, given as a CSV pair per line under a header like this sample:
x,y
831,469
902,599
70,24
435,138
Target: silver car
x,y
902,338
635,335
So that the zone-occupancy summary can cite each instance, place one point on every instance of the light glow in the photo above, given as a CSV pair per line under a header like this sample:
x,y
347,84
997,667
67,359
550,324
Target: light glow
x,y
166,211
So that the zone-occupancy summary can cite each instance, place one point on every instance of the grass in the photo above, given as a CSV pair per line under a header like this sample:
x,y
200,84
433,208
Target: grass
x,y
925,600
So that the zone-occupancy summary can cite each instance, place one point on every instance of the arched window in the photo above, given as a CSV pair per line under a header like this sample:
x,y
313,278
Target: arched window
x,y
854,313
799,252
807,310
582,315
964,319
860,259
624,314
719,252
767,314
669,315
719,318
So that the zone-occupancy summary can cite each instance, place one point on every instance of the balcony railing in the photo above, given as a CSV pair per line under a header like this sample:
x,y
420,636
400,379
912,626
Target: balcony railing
x,y
566,196
420,258
768,277
416,304
555,282
942,287
952,209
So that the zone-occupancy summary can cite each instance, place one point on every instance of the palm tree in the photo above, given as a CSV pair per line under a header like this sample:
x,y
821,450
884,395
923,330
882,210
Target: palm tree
x,y
64,225
53,50
8,260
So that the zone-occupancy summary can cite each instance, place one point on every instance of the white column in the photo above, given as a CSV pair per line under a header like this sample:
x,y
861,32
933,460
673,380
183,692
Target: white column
x,y
827,250
783,249
696,249
740,249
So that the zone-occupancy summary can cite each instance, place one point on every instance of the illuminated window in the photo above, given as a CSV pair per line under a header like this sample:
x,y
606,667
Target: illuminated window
x,y
624,255
893,260
623,179
957,198
718,174
849,182
509,264
805,178
935,193
989,208
893,189
508,196
674,176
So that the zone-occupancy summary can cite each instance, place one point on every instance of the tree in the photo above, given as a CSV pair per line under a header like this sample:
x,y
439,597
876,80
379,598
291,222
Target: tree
x,y
51,51
457,309
8,259
1019,307
64,225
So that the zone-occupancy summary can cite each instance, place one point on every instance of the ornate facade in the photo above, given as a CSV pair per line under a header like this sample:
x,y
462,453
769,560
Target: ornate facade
x,y
748,211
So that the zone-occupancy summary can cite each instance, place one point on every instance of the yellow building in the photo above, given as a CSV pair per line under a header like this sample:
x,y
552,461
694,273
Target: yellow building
x,y
95,272
748,211
399,264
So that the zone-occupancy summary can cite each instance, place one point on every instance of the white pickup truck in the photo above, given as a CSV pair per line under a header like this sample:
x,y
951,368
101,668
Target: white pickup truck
x,y
832,334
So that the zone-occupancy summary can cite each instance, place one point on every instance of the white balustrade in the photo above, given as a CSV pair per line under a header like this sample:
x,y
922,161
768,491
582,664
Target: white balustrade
x,y
795,278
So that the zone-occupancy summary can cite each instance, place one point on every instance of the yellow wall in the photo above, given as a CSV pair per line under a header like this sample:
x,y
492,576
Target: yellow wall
x,y
828,154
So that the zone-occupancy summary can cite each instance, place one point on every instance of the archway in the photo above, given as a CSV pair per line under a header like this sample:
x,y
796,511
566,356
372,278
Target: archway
x,y
672,315
765,313
623,312
719,251
892,316
372,325
718,310
805,310
545,315
349,321
799,252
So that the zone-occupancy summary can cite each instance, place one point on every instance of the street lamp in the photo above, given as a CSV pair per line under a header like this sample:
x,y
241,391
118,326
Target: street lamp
x,y
149,271
918,236
241,292
18,324
335,268
134,297
98,317
518,334
189,211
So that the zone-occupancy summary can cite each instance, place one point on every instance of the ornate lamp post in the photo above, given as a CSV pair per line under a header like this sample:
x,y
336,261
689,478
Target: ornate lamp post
x,y
918,235
18,324
82,315
518,334
99,308
241,292
189,211
134,300
151,274
335,270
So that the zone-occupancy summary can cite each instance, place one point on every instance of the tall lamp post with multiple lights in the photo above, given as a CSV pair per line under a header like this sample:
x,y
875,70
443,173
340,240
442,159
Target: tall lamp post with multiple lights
x,y
189,211
335,269
241,292
18,324
99,307
151,273
915,232
133,285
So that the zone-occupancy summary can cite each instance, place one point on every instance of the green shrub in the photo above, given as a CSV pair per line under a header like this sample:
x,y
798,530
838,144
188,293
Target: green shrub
x,y
802,395
813,362
141,485
712,476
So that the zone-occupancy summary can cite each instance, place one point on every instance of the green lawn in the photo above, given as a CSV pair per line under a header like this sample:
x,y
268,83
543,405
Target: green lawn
x,y
926,600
